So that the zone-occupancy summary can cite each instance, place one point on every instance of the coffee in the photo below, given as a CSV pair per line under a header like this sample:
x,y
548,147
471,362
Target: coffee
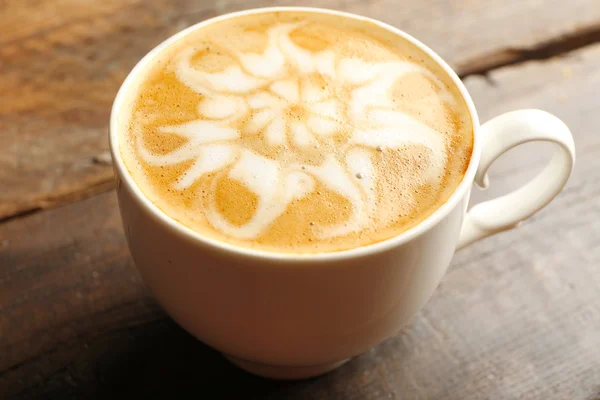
x,y
295,132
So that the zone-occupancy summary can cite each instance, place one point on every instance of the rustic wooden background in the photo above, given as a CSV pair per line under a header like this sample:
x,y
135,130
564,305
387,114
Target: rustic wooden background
x,y
516,317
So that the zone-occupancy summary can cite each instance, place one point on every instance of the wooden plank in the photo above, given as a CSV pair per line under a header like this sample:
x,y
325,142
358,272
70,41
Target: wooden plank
x,y
516,317
61,66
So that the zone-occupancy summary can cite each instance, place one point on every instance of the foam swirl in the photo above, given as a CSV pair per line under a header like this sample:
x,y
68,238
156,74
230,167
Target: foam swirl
x,y
289,96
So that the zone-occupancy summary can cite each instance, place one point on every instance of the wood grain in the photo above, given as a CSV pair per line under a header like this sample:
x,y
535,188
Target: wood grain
x,y
61,63
516,317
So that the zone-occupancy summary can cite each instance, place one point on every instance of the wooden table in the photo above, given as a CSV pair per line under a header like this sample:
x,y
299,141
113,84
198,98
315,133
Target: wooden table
x,y
516,317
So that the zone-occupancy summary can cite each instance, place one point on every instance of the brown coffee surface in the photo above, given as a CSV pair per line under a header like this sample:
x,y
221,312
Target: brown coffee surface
x,y
295,132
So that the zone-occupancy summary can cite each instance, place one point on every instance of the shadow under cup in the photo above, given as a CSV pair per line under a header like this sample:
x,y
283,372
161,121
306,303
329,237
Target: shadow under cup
x,y
287,315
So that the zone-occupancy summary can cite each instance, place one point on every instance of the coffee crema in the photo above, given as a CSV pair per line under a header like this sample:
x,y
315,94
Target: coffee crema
x,y
296,132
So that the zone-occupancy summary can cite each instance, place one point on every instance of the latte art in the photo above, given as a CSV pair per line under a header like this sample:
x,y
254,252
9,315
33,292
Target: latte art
x,y
287,130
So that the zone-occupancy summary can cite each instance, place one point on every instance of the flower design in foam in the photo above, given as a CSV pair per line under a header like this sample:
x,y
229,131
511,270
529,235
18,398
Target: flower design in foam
x,y
275,93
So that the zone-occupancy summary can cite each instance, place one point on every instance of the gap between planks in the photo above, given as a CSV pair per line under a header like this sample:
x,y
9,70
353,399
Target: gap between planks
x,y
544,50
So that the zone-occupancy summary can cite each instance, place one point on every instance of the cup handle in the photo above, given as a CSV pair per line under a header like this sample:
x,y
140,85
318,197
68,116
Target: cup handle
x,y
500,135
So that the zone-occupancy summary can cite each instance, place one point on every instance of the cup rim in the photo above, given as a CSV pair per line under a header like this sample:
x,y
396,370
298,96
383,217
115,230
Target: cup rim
x,y
182,230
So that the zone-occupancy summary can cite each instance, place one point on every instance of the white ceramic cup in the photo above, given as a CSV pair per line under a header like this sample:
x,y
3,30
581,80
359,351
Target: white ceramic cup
x,y
295,316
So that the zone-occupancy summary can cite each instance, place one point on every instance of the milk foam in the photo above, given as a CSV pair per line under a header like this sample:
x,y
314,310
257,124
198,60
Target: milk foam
x,y
278,96
274,186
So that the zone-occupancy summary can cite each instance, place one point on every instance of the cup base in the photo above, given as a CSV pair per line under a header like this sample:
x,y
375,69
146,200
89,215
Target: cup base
x,y
284,372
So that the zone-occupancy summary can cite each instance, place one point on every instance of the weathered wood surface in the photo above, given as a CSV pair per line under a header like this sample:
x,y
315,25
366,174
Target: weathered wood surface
x,y
61,63
516,317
